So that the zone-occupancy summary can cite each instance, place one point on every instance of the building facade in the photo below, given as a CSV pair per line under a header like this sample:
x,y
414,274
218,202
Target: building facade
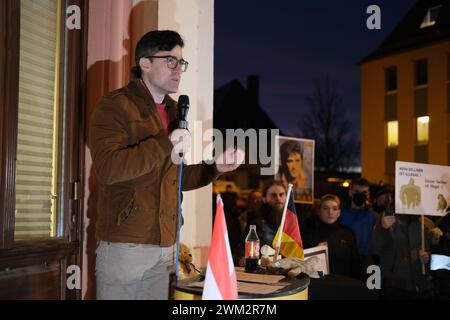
x,y
405,94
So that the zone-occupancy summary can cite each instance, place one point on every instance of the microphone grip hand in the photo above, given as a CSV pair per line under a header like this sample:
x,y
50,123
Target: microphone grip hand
x,y
181,141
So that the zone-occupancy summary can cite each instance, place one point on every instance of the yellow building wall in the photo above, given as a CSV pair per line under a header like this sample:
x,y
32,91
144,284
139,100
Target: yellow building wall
x,y
373,124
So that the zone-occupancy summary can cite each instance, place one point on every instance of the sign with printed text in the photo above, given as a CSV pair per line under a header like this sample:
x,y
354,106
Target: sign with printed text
x,y
421,189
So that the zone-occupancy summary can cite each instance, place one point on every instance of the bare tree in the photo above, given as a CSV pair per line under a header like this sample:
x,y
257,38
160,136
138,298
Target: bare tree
x,y
337,146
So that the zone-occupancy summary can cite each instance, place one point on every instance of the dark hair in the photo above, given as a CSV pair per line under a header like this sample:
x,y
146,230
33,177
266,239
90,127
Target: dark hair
x,y
286,149
383,189
360,182
152,42
271,184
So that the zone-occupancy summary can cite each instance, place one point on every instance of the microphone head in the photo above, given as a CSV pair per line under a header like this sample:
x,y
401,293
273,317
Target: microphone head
x,y
183,100
183,108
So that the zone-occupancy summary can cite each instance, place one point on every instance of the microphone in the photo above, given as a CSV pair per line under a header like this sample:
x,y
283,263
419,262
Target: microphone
x,y
183,109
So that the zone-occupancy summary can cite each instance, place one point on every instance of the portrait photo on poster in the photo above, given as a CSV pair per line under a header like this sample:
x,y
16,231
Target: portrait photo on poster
x,y
296,166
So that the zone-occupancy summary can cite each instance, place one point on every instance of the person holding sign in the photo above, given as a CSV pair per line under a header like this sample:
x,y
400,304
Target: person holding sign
x,y
397,243
440,259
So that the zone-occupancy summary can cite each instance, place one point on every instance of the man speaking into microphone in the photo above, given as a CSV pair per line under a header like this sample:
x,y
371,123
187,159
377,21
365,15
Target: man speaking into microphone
x,y
133,133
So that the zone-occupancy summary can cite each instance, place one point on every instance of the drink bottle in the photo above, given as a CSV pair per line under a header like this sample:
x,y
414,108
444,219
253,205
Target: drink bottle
x,y
251,250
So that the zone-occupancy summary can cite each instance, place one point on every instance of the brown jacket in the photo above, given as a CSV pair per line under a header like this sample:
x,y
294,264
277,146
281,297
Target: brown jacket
x,y
138,197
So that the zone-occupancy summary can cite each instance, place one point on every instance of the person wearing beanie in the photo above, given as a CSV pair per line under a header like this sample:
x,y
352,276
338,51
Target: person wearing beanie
x,y
384,198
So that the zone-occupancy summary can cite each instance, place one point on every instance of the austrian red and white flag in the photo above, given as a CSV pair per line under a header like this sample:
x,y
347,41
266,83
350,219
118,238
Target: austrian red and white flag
x,y
220,280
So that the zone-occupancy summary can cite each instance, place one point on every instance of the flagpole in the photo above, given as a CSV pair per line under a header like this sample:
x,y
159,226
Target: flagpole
x,y
277,247
422,238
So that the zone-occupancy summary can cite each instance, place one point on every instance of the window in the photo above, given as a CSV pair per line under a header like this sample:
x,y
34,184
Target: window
x,y
391,79
42,72
37,159
430,17
42,65
392,133
423,129
421,72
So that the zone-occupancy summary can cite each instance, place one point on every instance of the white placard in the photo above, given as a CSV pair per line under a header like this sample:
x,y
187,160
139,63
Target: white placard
x,y
439,262
421,189
322,253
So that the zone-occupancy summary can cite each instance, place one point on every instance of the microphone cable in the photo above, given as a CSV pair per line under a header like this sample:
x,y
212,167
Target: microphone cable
x,y
179,219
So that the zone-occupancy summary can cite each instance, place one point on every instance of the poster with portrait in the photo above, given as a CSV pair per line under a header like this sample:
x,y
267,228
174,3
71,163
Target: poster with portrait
x,y
295,159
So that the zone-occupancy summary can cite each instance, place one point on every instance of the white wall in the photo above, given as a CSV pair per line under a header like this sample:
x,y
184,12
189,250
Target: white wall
x,y
194,20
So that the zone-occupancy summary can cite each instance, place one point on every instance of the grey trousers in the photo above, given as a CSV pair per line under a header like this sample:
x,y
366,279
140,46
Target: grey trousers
x,y
130,271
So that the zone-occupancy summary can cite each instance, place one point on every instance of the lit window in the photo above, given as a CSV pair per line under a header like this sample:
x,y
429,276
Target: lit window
x,y
392,133
431,16
422,128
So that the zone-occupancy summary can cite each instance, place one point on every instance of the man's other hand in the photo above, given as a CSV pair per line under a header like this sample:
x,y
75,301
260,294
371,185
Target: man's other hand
x,y
424,256
230,160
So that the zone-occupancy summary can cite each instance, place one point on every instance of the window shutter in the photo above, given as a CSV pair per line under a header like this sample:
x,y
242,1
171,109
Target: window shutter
x,y
37,125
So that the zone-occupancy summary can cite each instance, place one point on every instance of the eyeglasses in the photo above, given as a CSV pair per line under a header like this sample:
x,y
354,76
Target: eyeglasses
x,y
173,62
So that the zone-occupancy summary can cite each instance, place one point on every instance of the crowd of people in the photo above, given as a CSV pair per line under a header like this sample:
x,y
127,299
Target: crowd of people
x,y
364,233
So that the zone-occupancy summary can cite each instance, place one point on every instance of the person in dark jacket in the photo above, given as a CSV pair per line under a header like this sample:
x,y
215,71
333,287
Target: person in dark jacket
x,y
324,228
440,274
360,218
383,199
267,218
397,242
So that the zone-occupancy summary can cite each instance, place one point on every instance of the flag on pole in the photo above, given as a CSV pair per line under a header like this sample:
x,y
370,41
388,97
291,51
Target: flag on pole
x,y
291,241
220,279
